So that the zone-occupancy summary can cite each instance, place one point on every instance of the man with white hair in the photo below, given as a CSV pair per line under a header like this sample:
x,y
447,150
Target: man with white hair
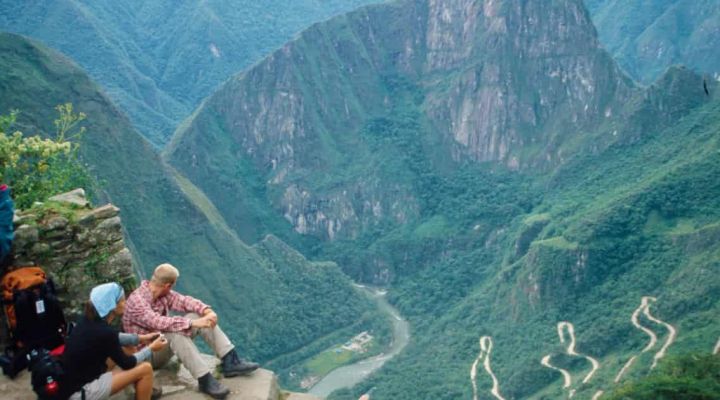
x,y
148,310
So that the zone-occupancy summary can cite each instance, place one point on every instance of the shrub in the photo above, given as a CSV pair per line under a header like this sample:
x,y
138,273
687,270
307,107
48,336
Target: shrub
x,y
37,168
687,377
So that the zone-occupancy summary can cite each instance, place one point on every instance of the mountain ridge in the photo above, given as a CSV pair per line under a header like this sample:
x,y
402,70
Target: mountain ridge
x,y
159,59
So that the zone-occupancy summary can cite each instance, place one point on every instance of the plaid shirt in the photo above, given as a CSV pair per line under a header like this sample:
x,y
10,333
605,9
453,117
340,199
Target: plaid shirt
x,y
143,314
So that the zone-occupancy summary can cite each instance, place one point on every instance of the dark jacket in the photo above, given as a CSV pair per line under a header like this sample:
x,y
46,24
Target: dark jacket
x,y
90,344
7,210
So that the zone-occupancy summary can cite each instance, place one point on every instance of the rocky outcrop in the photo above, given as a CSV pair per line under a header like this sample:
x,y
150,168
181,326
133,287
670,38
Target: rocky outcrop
x,y
555,271
261,385
522,67
77,246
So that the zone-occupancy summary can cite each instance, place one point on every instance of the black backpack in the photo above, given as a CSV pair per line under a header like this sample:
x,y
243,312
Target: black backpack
x,y
40,321
46,374
34,315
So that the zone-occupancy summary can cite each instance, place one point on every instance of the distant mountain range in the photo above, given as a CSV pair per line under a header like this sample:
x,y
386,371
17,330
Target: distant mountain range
x,y
158,59
647,37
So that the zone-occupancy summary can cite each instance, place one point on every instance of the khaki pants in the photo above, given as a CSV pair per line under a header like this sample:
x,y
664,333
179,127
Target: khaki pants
x,y
188,353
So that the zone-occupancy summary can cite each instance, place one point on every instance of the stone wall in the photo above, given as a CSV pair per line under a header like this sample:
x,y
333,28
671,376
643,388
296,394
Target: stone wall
x,y
77,246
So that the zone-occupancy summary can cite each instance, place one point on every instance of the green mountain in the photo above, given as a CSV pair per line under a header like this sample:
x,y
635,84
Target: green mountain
x,y
271,299
363,123
491,163
158,59
647,37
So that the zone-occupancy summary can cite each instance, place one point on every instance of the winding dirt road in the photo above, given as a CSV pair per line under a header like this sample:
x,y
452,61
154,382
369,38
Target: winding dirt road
x,y
486,346
571,348
644,308
566,375
672,332
562,327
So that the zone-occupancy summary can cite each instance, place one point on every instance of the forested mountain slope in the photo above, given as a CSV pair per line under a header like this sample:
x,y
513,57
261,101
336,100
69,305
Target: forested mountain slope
x,y
169,220
636,222
646,37
355,124
158,59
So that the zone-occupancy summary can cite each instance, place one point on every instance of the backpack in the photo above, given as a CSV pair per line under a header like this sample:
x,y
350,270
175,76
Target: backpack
x,y
46,374
33,311
34,315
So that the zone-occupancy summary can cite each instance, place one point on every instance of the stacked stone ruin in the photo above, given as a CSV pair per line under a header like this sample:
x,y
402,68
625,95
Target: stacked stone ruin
x,y
77,246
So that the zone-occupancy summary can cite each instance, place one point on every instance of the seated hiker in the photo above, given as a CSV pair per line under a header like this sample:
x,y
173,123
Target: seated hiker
x,y
148,310
93,341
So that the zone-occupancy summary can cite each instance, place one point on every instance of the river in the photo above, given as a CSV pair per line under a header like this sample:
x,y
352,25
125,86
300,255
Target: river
x,y
350,375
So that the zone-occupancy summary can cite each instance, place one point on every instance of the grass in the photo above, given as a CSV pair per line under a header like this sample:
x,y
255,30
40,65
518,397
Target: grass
x,y
328,360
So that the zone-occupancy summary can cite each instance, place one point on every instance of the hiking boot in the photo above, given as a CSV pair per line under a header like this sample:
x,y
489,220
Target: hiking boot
x,y
156,393
232,365
210,386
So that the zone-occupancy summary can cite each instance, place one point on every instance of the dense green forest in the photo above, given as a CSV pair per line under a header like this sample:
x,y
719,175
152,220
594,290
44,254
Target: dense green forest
x,y
691,377
583,244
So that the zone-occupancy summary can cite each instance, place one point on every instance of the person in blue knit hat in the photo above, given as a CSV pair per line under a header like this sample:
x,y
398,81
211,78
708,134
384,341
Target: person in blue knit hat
x,y
94,341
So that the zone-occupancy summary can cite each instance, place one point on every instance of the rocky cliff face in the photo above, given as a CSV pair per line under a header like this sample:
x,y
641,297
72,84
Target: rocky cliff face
x,y
529,75
501,81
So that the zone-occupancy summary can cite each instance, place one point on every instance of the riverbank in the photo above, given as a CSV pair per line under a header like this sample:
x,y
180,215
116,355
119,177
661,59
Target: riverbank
x,y
350,375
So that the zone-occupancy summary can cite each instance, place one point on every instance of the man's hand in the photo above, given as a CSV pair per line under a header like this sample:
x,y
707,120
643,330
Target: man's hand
x,y
203,322
210,314
158,344
148,337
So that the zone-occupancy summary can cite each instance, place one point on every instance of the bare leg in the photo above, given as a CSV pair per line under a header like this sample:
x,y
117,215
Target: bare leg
x,y
141,376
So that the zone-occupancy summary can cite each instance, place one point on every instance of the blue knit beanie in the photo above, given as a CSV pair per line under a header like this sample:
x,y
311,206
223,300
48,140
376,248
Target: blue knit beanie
x,y
105,297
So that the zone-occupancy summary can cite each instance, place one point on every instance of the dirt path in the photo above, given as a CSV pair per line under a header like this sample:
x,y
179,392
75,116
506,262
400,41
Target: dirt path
x,y
624,369
486,345
566,375
644,308
571,348
672,332
562,327
597,395
716,350
644,303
